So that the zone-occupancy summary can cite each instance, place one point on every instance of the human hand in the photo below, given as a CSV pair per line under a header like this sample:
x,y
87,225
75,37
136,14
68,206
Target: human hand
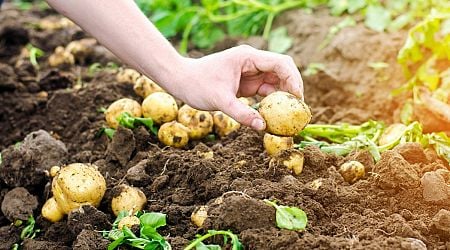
x,y
215,81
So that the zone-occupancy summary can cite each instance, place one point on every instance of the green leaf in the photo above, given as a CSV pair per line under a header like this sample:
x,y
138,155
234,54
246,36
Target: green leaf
x,y
201,246
407,112
356,5
377,18
154,220
314,68
291,218
279,40
206,35
338,7
116,243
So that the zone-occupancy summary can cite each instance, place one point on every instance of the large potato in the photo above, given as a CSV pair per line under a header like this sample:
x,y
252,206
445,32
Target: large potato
x,y
130,199
285,114
120,106
173,134
200,123
274,144
223,124
144,86
75,185
161,107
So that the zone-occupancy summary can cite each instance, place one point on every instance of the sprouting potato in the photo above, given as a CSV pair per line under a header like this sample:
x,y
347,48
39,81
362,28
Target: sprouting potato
x,y
293,159
284,113
128,221
130,199
200,123
81,49
61,58
223,124
274,144
161,107
199,215
391,134
127,76
352,171
120,106
173,134
75,185
144,86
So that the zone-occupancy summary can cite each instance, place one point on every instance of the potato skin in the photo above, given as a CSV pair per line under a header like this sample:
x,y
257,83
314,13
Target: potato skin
x,y
144,87
130,199
200,123
274,144
223,124
120,106
352,171
127,76
293,159
61,57
161,107
199,215
284,113
173,134
128,221
51,210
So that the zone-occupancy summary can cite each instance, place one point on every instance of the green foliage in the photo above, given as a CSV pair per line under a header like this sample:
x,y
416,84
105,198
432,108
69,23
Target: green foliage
x,y
279,41
34,54
128,121
109,132
148,239
28,232
291,218
314,68
228,237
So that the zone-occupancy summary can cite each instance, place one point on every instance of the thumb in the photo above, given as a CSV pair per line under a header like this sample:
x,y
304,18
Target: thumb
x,y
243,114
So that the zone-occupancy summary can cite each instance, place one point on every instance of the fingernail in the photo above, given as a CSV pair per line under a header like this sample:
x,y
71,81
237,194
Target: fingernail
x,y
258,124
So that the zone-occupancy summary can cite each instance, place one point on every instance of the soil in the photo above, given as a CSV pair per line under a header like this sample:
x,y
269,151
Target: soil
x,y
49,116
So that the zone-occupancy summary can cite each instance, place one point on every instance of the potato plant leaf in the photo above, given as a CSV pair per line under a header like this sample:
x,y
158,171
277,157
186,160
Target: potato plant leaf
x,y
291,218
128,121
377,18
227,236
279,40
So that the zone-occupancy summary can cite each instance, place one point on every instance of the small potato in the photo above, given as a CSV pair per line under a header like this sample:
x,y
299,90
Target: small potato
x,y
61,58
81,49
223,124
274,144
161,107
199,215
285,114
51,211
144,86
127,76
120,106
293,159
352,171
173,134
130,199
200,123
392,133
54,171
128,221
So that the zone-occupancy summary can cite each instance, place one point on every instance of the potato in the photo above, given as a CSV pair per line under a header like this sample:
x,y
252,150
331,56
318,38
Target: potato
x,y
199,216
285,114
120,106
54,171
274,144
127,76
173,134
352,171
200,123
144,86
128,221
223,124
75,185
81,49
130,199
392,133
61,58
161,107
293,159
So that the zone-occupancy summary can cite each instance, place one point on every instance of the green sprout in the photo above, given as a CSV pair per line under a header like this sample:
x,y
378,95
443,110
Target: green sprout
x,y
28,232
109,132
199,245
291,218
35,53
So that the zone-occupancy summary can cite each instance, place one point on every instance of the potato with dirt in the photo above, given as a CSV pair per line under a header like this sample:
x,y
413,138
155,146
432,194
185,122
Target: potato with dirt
x,y
61,58
161,107
200,123
75,185
130,199
81,49
292,159
144,86
120,106
173,134
284,113
223,124
127,75
352,171
274,144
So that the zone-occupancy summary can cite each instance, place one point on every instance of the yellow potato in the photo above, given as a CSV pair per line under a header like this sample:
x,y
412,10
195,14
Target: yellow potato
x,y
173,134
61,58
75,185
223,124
128,221
274,144
130,199
391,133
200,123
161,107
284,113
81,49
144,86
127,76
352,171
199,216
293,159
120,106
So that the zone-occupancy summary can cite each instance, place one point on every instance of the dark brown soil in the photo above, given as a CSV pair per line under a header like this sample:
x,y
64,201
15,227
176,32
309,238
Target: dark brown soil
x,y
48,118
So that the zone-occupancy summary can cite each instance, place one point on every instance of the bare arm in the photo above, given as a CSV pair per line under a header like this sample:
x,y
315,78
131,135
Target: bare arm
x,y
208,83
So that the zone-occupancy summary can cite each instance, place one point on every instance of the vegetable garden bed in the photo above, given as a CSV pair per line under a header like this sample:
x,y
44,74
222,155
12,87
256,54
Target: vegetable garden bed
x,y
54,116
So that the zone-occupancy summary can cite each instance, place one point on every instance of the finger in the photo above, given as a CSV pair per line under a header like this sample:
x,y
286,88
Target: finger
x,y
266,89
243,114
271,78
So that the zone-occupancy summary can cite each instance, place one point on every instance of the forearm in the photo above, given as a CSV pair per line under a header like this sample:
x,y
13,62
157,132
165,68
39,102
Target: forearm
x,y
120,26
